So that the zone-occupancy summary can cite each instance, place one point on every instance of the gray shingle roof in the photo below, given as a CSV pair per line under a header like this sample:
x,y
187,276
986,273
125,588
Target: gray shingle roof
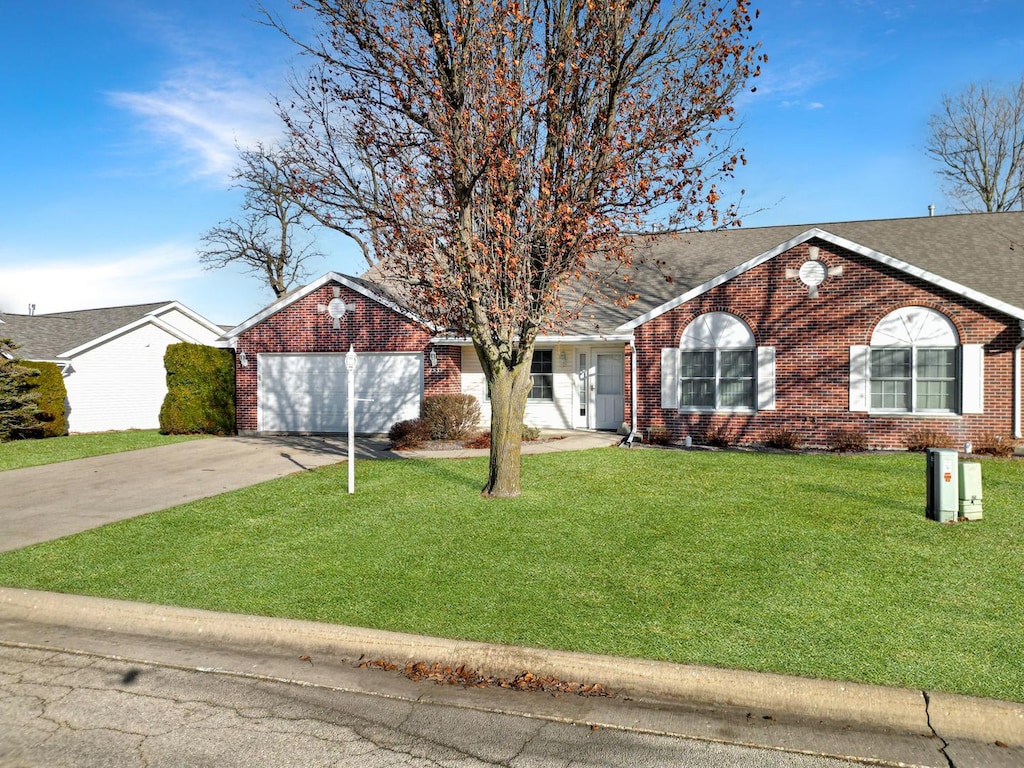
x,y
983,252
48,337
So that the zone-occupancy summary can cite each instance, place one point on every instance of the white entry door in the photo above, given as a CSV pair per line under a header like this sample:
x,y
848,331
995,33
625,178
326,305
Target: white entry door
x,y
607,402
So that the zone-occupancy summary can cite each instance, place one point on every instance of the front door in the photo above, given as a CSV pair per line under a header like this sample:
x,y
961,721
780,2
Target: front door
x,y
608,404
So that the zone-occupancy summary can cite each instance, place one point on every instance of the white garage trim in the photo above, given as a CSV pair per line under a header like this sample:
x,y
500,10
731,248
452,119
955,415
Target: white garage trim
x,y
306,393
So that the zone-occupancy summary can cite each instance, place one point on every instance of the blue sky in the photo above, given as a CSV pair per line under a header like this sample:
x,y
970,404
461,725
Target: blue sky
x,y
120,119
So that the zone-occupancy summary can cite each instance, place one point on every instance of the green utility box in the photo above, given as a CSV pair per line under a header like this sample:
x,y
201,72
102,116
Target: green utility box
x,y
942,482
970,490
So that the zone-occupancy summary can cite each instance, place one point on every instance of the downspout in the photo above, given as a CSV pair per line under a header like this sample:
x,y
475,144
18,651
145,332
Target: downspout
x,y
1017,386
632,392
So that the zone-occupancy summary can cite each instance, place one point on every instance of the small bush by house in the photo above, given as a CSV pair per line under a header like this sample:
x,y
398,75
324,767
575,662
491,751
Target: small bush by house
x,y
849,440
922,439
785,439
200,391
408,434
720,437
451,416
659,435
992,444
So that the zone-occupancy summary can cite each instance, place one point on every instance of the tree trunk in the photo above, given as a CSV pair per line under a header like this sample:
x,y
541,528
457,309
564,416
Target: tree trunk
x,y
509,389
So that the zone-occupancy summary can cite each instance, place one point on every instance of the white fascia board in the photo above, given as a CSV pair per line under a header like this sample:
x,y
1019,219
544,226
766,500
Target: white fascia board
x,y
321,281
146,320
212,327
950,285
842,242
586,339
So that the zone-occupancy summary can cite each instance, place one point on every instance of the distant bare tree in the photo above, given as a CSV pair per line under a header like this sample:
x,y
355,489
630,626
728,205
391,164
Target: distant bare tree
x,y
271,237
978,138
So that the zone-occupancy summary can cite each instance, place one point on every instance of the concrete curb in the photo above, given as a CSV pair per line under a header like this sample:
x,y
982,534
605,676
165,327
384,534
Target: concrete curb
x,y
863,706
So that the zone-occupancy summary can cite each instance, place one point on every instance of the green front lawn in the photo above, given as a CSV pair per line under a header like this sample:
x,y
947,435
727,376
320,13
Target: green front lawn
x,y
815,565
18,454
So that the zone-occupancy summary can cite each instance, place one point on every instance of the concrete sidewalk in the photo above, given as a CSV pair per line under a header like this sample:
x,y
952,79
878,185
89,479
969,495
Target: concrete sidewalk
x,y
890,726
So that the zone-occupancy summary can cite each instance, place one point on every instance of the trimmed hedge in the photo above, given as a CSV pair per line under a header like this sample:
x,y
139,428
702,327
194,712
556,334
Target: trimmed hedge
x,y
51,396
200,391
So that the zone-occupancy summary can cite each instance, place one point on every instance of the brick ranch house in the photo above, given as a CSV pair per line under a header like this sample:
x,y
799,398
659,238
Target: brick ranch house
x,y
882,326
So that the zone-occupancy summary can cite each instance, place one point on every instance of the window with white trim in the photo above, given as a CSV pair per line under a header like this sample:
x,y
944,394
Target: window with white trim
x,y
717,367
542,371
916,364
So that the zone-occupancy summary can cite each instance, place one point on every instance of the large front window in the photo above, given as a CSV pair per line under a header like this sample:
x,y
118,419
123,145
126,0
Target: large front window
x,y
914,362
717,364
720,378
913,379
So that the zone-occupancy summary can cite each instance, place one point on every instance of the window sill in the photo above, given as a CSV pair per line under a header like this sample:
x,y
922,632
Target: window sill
x,y
915,414
717,410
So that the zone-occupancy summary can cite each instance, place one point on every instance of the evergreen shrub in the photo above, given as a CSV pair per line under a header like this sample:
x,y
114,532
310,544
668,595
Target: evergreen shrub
x,y
51,396
200,391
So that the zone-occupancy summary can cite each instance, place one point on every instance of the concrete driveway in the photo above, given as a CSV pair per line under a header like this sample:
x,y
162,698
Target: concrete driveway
x,y
42,503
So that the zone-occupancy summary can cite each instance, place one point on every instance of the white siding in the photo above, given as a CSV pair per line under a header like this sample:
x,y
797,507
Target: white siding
x,y
556,414
182,322
120,384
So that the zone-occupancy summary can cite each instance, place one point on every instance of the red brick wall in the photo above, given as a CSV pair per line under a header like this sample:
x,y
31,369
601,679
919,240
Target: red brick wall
x,y
812,339
371,326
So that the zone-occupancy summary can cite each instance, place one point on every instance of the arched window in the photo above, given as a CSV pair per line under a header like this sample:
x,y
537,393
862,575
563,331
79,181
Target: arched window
x,y
916,364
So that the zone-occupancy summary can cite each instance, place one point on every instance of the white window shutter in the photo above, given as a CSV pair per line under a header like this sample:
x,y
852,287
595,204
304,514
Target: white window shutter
x,y
670,360
766,378
860,378
972,371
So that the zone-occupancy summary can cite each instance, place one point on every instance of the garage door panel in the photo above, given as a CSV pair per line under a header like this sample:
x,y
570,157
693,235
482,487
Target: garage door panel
x,y
308,393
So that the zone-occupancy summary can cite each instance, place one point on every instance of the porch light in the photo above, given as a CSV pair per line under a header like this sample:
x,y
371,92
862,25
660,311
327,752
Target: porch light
x,y
243,360
432,357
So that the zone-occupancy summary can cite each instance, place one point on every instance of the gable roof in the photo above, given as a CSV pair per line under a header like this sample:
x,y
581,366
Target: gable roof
x,y
980,256
361,286
61,335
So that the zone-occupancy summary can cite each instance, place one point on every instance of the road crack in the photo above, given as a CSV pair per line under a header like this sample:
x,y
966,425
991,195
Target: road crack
x,y
935,733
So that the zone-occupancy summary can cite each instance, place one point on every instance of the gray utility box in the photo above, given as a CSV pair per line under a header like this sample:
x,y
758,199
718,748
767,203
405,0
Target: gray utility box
x,y
970,490
943,485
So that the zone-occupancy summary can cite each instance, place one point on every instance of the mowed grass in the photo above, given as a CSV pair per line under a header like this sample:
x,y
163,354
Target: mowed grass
x,y
814,565
18,454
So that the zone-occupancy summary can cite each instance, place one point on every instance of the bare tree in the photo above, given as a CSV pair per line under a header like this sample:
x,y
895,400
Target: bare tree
x,y
492,154
978,138
272,237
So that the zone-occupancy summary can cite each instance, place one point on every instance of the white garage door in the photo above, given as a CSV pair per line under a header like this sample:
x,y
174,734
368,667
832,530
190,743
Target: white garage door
x,y
307,393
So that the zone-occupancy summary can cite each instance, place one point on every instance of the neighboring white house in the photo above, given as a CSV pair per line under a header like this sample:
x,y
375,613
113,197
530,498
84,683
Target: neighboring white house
x,y
112,359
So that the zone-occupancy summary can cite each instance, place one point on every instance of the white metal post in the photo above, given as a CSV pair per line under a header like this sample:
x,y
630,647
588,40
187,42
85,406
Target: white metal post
x,y
350,366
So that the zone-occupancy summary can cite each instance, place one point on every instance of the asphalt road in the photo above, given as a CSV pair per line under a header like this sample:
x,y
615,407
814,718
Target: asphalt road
x,y
64,709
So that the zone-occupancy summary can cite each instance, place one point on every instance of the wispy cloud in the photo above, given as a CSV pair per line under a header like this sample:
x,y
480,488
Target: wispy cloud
x,y
53,285
203,115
